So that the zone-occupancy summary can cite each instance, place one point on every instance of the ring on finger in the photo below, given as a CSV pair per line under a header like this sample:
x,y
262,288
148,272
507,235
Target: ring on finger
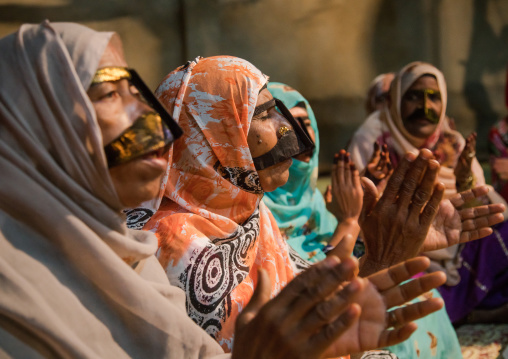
x,y
392,320
471,154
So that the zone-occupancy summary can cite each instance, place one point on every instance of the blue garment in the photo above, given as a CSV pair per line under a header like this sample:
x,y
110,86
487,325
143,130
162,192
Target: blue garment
x,y
298,206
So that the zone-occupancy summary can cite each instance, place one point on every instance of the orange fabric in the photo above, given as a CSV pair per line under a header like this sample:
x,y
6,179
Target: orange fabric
x,y
214,232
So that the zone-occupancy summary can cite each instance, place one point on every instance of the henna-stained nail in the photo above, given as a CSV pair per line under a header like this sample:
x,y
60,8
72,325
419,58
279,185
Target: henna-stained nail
x,y
341,155
335,158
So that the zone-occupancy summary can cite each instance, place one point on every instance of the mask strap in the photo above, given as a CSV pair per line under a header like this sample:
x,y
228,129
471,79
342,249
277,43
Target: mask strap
x,y
263,107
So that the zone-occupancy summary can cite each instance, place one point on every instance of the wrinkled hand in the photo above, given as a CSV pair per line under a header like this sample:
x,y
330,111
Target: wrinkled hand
x,y
383,291
463,168
454,225
345,196
395,226
379,169
316,312
305,318
500,166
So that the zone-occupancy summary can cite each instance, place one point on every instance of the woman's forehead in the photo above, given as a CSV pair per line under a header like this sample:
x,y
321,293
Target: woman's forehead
x,y
264,96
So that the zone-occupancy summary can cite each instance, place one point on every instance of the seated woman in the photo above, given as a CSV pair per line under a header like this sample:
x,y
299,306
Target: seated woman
x,y
214,232
414,119
298,204
78,143
378,93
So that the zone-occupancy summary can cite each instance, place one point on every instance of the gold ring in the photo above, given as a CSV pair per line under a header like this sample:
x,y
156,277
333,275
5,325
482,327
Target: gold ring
x,y
392,319
283,130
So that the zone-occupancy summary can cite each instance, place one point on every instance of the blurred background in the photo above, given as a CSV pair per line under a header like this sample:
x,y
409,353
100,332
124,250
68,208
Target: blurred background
x,y
329,50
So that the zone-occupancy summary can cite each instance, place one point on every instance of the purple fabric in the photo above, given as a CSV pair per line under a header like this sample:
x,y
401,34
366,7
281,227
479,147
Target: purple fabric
x,y
483,273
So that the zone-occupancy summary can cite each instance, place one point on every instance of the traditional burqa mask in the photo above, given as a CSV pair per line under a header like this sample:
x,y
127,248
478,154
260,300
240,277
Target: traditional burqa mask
x,y
151,132
290,143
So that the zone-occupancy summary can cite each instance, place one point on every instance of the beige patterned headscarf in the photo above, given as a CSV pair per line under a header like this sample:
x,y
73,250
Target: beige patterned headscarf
x,y
74,281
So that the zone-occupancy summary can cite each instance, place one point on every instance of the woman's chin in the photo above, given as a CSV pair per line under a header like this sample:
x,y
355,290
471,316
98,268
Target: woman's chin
x,y
276,176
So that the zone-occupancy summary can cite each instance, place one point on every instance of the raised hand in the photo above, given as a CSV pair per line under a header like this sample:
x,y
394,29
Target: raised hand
x,y
454,225
307,316
462,171
316,315
376,327
395,226
345,197
379,168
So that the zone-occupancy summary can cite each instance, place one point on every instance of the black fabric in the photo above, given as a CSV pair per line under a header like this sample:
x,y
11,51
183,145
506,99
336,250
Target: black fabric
x,y
150,98
291,144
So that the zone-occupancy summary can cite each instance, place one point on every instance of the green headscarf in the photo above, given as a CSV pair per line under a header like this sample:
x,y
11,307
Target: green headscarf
x,y
298,206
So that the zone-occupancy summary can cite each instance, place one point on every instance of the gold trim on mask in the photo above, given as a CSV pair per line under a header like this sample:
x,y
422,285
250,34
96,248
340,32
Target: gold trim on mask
x,y
110,74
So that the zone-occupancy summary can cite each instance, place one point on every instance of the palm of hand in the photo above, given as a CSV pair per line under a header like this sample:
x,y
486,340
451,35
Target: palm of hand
x,y
367,331
446,228
376,171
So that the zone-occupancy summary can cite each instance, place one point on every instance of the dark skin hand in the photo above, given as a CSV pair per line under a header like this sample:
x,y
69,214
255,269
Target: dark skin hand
x,y
345,195
395,226
463,168
319,314
379,168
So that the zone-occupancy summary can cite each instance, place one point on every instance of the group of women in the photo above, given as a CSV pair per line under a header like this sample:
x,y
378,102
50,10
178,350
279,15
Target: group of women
x,y
231,248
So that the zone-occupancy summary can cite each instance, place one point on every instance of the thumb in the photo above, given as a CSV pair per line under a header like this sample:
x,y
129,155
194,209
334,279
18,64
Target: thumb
x,y
370,197
345,247
260,297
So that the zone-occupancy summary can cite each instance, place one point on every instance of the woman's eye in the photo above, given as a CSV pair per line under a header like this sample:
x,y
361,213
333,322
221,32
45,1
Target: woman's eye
x,y
109,95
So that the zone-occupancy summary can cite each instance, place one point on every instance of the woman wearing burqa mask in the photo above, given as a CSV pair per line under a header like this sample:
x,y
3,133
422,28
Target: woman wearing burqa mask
x,y
75,282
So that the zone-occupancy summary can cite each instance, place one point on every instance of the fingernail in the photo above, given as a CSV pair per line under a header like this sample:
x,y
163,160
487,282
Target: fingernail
x,y
352,166
376,146
341,155
335,158
410,156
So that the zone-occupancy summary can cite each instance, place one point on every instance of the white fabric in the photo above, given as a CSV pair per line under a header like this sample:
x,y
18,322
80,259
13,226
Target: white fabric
x,y
67,284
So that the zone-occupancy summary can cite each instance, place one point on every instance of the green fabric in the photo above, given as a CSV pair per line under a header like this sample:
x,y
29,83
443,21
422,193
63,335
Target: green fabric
x,y
419,345
298,206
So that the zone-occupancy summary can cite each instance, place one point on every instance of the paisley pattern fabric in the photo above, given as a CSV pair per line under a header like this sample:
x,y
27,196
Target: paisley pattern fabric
x,y
214,232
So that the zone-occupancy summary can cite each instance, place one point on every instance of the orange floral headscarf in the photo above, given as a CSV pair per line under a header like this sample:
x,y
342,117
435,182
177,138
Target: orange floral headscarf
x,y
214,232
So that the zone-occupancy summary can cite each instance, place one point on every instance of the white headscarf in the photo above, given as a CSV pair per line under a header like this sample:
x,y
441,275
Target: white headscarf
x,y
74,281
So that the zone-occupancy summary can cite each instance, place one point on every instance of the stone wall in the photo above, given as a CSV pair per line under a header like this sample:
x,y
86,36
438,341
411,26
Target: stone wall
x,y
329,50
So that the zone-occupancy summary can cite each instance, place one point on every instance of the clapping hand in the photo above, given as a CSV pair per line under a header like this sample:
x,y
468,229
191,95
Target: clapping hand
x,y
454,224
395,226
379,168
319,313
344,198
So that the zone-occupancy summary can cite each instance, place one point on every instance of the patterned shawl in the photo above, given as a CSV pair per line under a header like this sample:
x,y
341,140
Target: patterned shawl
x,y
214,232
386,127
298,206
75,282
